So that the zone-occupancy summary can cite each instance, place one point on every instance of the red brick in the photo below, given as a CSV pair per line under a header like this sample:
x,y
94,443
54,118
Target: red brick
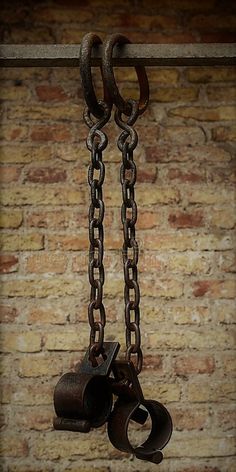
x,y
23,34
148,219
128,20
213,22
46,175
47,93
8,263
50,133
217,37
186,220
154,37
8,314
215,288
146,174
187,176
9,174
165,153
194,365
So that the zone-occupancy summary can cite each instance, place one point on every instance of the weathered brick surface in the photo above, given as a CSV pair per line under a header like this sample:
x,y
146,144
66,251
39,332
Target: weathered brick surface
x,y
185,229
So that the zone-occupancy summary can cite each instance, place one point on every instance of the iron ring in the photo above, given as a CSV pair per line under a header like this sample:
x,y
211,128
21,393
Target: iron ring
x,y
108,75
88,41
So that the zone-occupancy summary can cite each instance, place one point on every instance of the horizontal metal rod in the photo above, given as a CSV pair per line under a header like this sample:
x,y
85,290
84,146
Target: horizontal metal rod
x,y
66,55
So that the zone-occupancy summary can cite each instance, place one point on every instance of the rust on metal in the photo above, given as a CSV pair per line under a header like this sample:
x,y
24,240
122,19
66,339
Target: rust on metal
x,y
68,55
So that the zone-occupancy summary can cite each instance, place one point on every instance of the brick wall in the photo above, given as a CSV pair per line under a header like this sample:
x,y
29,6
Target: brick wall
x,y
185,195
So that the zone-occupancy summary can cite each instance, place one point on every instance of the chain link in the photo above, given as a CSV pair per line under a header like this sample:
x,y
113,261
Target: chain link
x,y
96,143
127,142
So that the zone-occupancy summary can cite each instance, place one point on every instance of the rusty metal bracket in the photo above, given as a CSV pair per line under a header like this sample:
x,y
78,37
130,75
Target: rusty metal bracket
x,y
68,55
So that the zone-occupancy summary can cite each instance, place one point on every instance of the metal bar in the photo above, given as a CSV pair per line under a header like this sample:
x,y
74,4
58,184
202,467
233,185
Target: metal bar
x,y
60,55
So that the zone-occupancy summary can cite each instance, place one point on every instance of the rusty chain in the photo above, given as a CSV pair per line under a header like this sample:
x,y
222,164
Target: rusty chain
x,y
96,143
127,142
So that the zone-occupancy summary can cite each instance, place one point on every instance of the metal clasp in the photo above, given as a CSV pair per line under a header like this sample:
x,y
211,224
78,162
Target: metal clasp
x,y
129,407
83,399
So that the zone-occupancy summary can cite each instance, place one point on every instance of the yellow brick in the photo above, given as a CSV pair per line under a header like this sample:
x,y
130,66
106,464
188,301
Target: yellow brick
x,y
227,363
209,196
62,14
66,339
224,311
21,242
14,92
37,112
37,366
32,195
160,76
182,241
189,263
13,446
68,446
153,314
163,392
114,286
38,419
184,94
23,342
11,219
223,218
32,393
24,154
183,314
217,392
88,469
211,74
70,153
219,113
221,94
192,135
146,195
14,132
29,468
24,73
46,263
192,339
201,446
41,288
169,288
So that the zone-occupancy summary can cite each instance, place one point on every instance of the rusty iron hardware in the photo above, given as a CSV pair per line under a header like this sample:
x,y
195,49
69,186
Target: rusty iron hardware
x,y
129,55
83,399
131,405
96,143
128,408
108,75
90,40
127,142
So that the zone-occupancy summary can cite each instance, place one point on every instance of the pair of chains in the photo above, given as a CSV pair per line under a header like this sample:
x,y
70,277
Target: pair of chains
x,y
96,143
84,399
